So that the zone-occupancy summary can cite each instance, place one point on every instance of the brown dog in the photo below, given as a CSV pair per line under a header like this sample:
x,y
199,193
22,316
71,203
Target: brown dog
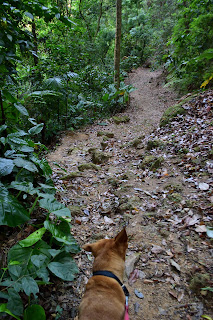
x,y
104,298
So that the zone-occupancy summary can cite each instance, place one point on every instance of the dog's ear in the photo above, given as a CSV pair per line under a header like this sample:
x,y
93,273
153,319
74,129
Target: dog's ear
x,y
121,237
94,247
87,247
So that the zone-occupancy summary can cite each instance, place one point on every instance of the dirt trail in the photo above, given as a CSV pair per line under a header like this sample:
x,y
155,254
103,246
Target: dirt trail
x,y
116,193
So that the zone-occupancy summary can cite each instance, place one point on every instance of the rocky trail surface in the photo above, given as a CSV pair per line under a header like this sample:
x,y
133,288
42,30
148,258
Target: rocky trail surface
x,y
156,181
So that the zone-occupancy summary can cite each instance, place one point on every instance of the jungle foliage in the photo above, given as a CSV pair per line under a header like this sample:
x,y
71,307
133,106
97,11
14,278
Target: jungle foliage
x,y
56,73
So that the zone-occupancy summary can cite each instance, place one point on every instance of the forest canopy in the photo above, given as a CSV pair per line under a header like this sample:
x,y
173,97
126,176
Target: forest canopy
x,y
57,56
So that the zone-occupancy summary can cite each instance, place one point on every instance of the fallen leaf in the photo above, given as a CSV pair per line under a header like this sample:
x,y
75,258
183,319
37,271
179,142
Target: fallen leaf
x,y
175,264
180,296
133,276
203,186
201,229
173,294
189,249
108,220
148,281
157,249
190,221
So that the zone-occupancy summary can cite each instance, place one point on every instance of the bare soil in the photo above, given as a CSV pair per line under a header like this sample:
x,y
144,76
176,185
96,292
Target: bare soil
x,y
165,254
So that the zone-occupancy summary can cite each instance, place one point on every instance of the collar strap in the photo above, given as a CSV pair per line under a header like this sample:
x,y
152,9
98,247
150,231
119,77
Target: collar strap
x,y
109,274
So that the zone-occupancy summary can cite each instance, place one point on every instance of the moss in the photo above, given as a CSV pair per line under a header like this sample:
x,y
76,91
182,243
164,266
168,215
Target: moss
x,y
88,166
104,133
171,113
105,138
197,149
153,144
70,150
114,182
75,211
123,119
98,157
198,281
210,155
183,150
125,207
135,143
104,145
174,187
151,162
72,175
175,197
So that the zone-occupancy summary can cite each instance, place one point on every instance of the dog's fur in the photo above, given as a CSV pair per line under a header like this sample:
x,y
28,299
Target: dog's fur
x,y
104,298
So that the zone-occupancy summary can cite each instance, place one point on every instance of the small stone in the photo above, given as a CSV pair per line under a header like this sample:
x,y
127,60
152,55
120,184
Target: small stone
x,y
131,262
139,294
136,307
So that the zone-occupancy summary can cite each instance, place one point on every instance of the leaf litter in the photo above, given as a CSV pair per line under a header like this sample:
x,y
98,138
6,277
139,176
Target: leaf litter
x,y
166,205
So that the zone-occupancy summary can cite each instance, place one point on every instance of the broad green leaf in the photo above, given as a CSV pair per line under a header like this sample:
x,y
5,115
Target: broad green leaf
x,y
42,164
39,260
48,188
18,133
3,308
14,304
54,252
34,312
16,140
24,255
21,109
12,213
64,268
15,284
9,96
15,270
28,165
3,127
6,166
24,186
36,129
61,232
33,238
29,286
29,15
26,149
43,274
53,206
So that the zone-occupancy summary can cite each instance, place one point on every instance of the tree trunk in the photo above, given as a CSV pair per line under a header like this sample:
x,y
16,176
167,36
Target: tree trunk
x,y
35,42
117,44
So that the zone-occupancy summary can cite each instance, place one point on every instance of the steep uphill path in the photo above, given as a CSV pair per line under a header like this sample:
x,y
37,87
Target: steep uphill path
x,y
107,186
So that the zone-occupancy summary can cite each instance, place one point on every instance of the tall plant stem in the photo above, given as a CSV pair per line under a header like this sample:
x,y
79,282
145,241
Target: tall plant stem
x,y
3,119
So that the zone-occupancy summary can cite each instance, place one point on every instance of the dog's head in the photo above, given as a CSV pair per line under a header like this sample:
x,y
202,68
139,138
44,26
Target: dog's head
x,y
106,250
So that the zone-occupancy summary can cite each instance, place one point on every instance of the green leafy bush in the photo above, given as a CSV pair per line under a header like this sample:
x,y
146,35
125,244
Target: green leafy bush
x,y
27,197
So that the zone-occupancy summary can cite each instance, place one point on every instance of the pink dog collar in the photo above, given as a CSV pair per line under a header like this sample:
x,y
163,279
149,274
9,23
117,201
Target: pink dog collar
x,y
126,316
